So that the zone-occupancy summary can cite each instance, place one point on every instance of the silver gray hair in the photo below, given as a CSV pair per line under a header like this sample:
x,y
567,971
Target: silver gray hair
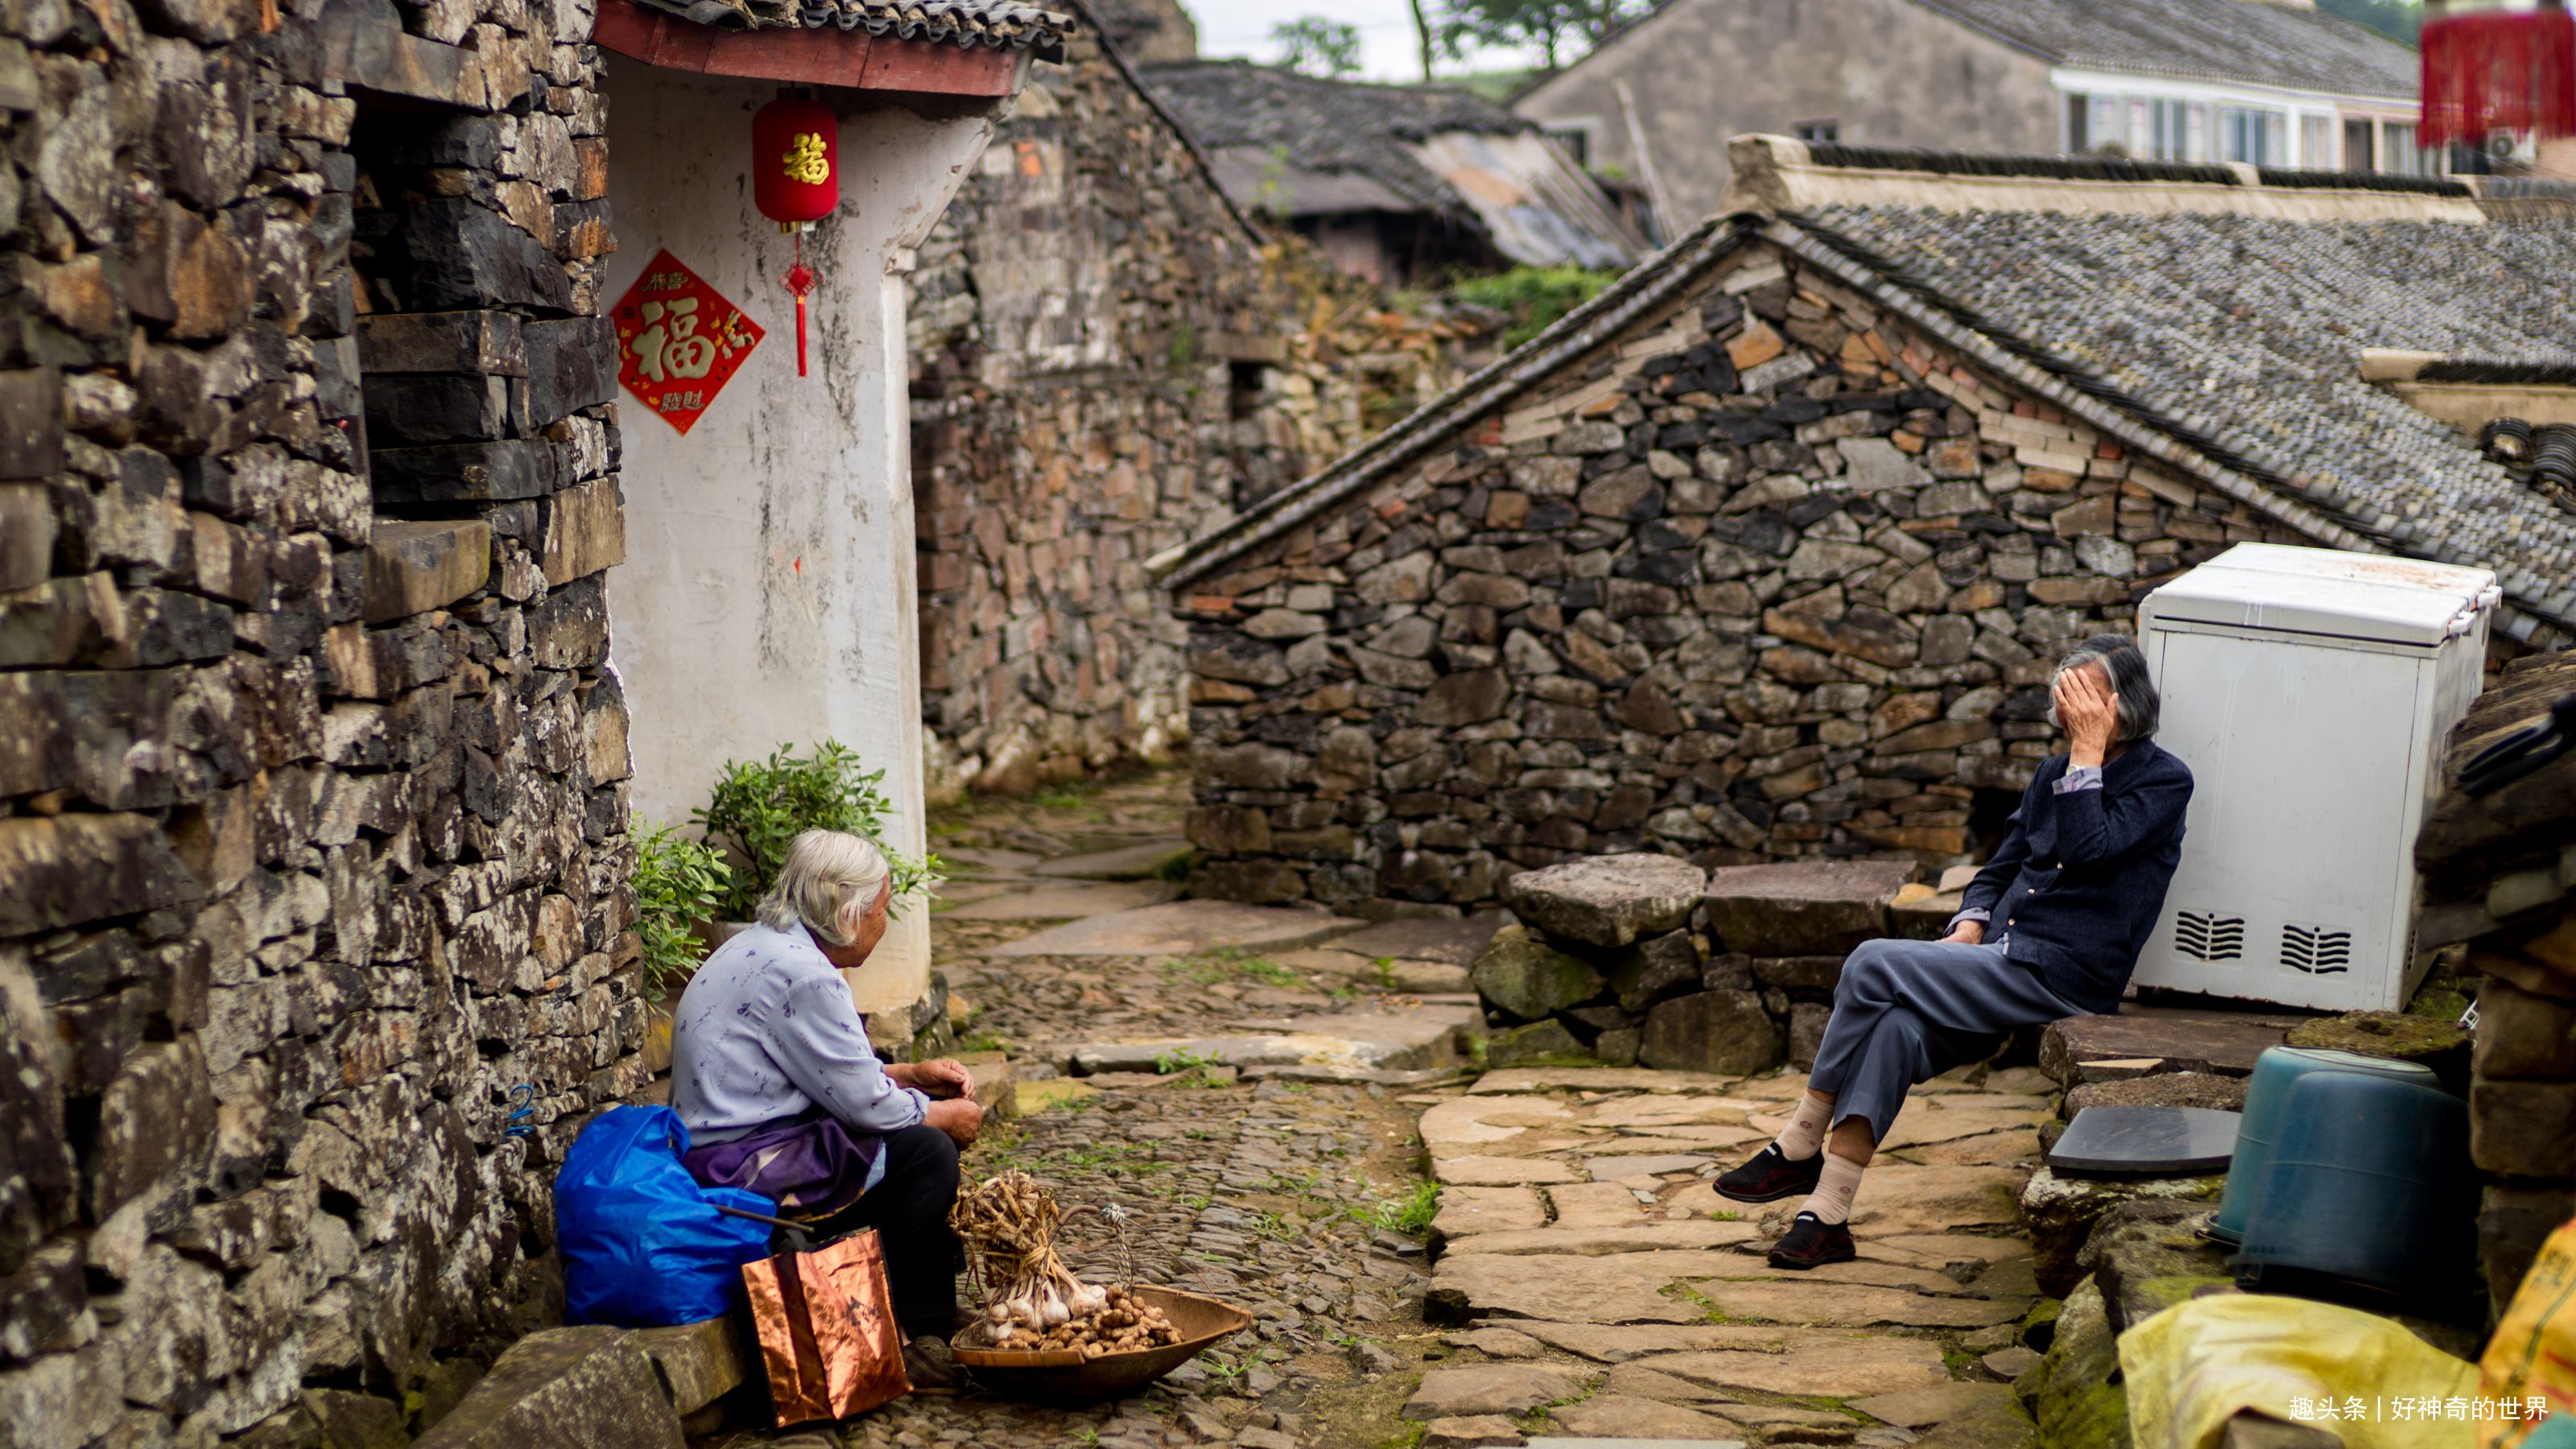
x,y
829,881
2141,709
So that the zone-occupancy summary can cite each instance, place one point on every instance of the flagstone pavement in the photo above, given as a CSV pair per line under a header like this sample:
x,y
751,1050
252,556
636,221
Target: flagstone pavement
x,y
1576,1276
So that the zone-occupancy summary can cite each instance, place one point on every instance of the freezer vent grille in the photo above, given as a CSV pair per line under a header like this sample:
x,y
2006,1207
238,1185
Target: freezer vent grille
x,y
2207,937
2316,950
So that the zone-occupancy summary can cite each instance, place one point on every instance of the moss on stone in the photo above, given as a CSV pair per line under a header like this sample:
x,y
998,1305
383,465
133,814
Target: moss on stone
x,y
2439,1044
2074,1398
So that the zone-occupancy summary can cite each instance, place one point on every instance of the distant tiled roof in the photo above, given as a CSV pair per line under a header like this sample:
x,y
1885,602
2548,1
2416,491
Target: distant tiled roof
x,y
1326,125
2254,42
969,23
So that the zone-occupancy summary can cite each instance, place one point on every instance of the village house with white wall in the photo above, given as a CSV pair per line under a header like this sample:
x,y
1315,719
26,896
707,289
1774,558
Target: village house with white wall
x,y
2265,82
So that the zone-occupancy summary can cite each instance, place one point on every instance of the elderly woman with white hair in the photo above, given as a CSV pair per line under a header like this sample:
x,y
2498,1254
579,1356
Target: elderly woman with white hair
x,y
2050,928
772,1073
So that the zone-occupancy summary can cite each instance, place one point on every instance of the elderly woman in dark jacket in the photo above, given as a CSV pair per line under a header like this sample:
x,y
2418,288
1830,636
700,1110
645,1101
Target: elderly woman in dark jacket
x,y
2051,928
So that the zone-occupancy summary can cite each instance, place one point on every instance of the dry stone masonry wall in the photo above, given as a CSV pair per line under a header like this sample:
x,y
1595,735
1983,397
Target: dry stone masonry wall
x,y
1769,575
312,842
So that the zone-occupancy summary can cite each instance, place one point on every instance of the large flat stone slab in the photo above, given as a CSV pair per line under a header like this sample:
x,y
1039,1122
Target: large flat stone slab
x,y
1143,861
1940,1249
1995,1149
1451,943
1472,1431
580,1388
1608,900
1467,1212
1919,1125
1895,1198
1066,902
1636,1381
1809,908
1612,1169
1693,1234
1285,1049
1914,1408
700,1362
1596,1205
1852,1305
1617,1416
1183,927
2176,1041
1598,1079
1467,1121
1839,1367
1615,1344
1554,1288
1500,1171
1711,1139
1865,1272
1489,1388
1663,1111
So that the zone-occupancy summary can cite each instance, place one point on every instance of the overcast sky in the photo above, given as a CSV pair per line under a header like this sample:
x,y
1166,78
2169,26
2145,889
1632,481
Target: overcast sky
x,y
1388,50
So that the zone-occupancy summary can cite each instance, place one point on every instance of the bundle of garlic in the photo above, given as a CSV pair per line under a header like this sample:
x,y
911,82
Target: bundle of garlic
x,y
1033,1301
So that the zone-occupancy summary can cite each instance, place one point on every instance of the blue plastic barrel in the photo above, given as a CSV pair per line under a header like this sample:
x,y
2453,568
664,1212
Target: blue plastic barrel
x,y
2274,1071
2368,1182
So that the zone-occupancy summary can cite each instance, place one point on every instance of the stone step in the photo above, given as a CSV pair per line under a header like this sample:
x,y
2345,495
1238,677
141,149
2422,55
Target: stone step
x,y
2161,1041
699,1362
1144,861
566,1388
1066,902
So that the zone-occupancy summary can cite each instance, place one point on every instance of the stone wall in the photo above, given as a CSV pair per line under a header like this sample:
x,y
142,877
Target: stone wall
x,y
2497,877
1767,575
1107,360
311,831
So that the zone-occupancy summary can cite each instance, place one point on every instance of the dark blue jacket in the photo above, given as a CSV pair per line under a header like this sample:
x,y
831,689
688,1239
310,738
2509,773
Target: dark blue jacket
x,y
2081,878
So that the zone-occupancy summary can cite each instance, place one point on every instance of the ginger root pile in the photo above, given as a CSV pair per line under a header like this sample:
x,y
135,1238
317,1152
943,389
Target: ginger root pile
x,y
1034,1302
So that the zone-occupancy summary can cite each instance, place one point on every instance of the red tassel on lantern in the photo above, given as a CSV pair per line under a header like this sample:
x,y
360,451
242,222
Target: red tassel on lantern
x,y
796,181
2489,69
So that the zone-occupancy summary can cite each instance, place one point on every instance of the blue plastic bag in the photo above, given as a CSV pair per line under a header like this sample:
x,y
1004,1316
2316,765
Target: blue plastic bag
x,y
643,1245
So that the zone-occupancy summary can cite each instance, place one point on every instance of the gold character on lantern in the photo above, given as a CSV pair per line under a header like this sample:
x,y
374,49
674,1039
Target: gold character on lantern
x,y
806,161
670,347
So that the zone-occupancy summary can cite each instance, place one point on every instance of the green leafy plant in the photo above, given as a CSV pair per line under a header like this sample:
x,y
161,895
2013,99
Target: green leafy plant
x,y
759,807
678,881
1533,297
1412,1213
1384,966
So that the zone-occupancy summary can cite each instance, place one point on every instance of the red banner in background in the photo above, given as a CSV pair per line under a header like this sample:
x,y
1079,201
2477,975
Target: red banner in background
x,y
679,341
2496,70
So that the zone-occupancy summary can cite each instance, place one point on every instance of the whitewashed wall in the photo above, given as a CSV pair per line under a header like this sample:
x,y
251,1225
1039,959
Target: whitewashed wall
x,y
768,594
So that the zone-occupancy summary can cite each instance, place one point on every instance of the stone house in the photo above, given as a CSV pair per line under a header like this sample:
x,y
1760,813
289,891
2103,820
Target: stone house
x,y
2266,82
1108,356
1395,182
1766,553
315,913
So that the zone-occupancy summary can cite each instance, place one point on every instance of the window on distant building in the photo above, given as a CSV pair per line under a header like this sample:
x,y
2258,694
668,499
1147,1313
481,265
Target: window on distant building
x,y
2079,128
2358,153
1576,140
2253,136
1825,131
2398,145
2316,143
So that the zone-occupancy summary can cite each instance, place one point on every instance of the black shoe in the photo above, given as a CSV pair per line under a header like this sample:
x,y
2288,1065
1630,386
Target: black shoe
x,y
1812,1243
1770,1177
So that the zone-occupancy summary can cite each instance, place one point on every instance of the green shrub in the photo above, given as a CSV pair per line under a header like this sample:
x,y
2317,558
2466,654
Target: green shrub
x,y
677,882
1533,296
759,808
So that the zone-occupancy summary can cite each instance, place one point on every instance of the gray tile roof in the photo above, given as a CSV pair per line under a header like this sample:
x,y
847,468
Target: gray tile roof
x,y
992,24
2258,42
2244,333
1325,125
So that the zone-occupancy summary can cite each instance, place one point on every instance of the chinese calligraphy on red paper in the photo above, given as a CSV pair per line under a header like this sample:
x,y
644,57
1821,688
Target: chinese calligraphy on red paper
x,y
679,341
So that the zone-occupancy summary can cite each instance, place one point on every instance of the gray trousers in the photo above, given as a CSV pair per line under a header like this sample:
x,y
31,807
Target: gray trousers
x,y
1907,1011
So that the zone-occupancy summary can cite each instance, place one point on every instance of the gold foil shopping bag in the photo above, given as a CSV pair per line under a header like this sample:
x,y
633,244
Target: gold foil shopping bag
x,y
825,1321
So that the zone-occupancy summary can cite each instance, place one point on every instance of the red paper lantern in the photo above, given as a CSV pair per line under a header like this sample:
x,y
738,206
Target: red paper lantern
x,y
796,161
796,181
2487,68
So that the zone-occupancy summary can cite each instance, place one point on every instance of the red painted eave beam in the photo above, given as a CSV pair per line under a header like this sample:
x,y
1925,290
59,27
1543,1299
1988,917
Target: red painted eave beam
x,y
830,56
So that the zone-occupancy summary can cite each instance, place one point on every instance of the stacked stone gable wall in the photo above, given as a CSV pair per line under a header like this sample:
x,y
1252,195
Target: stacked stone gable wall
x,y
1770,575
312,822
1105,364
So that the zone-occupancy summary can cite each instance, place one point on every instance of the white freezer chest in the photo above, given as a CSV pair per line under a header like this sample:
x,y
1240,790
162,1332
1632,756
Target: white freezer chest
x,y
2311,693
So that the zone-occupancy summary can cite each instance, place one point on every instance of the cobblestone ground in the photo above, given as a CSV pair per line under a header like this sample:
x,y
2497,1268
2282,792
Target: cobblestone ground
x,y
1587,1283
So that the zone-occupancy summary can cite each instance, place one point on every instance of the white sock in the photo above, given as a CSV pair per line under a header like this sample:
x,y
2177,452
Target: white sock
x,y
1832,1200
1805,1134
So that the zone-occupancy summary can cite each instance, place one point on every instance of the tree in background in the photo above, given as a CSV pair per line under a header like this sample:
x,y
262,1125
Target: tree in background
x,y
2399,20
1313,45
1561,31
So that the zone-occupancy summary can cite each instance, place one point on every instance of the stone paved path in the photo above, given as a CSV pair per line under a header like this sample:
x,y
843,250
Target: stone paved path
x,y
1579,1277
